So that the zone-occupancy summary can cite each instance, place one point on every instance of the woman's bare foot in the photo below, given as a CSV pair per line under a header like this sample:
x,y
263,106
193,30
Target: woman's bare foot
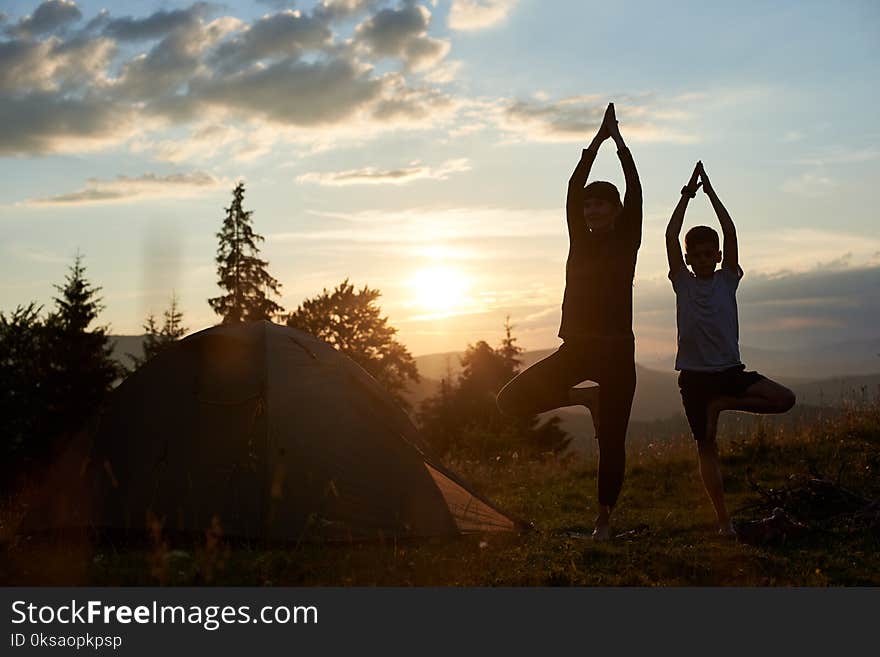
x,y
602,530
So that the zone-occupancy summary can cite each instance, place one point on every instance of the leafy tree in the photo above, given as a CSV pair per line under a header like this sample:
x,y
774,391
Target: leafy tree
x,y
463,415
351,321
159,339
242,273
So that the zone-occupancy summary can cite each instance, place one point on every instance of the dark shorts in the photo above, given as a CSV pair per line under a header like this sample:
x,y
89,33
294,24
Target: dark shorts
x,y
699,388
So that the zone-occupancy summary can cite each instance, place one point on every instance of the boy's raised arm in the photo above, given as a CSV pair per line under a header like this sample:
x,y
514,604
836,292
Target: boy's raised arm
x,y
574,202
673,229
730,259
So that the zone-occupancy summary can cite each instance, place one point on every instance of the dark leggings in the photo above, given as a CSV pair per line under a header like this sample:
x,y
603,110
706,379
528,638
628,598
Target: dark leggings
x,y
610,362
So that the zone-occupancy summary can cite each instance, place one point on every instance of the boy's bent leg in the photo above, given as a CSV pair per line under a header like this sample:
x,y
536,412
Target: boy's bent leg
x,y
763,396
767,396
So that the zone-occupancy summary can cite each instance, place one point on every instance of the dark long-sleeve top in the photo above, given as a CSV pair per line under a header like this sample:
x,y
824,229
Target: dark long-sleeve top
x,y
601,266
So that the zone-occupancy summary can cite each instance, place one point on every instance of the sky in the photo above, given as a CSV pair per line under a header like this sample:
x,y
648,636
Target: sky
x,y
423,148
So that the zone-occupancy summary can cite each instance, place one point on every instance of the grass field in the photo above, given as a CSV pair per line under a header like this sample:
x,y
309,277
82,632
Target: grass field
x,y
664,527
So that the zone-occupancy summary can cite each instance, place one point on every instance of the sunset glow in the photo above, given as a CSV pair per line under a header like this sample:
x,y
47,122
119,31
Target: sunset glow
x,y
416,147
440,289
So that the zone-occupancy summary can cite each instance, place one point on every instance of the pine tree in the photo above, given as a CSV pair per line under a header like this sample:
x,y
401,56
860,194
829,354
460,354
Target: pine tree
x,y
81,364
352,322
156,339
464,415
23,371
242,273
509,350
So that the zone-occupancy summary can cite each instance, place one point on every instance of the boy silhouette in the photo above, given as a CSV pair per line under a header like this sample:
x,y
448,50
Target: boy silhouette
x,y
598,345
712,378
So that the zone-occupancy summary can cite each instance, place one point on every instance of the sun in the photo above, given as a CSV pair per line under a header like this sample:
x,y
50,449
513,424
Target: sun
x,y
440,289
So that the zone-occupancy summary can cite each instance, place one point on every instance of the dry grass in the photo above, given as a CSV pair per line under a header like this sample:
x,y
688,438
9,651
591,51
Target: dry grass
x,y
664,525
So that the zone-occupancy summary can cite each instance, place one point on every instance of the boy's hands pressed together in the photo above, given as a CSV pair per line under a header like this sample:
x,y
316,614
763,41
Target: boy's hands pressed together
x,y
704,179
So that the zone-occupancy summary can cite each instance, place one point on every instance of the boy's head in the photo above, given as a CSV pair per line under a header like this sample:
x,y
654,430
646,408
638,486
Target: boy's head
x,y
702,250
602,206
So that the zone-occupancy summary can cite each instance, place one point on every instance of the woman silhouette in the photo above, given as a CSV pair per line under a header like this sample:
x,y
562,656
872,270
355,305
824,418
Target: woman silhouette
x,y
598,343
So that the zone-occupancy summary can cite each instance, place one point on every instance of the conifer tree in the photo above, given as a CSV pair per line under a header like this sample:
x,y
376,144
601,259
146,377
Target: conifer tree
x,y
81,365
509,350
158,339
242,274
463,414
22,382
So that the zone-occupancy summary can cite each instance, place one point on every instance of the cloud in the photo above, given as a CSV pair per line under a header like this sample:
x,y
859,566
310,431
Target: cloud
x,y
206,141
402,33
576,117
156,25
48,17
277,4
781,311
537,232
404,106
374,176
333,10
52,65
286,78
478,14
293,91
125,78
831,304
809,249
46,123
124,189
849,156
160,72
811,184
283,34
444,72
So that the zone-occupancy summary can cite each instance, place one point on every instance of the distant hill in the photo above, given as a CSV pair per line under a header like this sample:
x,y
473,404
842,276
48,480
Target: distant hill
x,y
821,361
123,345
657,396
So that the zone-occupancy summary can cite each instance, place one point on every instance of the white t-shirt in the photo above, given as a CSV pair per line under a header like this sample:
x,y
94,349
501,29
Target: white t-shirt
x,y
708,327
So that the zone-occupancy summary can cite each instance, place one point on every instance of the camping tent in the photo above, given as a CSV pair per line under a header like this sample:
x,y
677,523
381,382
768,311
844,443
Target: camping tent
x,y
277,435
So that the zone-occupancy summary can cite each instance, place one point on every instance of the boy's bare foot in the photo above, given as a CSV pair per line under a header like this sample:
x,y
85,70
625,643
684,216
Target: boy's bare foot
x,y
726,530
587,396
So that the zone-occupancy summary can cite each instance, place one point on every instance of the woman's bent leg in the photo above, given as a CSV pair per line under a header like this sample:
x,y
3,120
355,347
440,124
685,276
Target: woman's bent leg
x,y
543,386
